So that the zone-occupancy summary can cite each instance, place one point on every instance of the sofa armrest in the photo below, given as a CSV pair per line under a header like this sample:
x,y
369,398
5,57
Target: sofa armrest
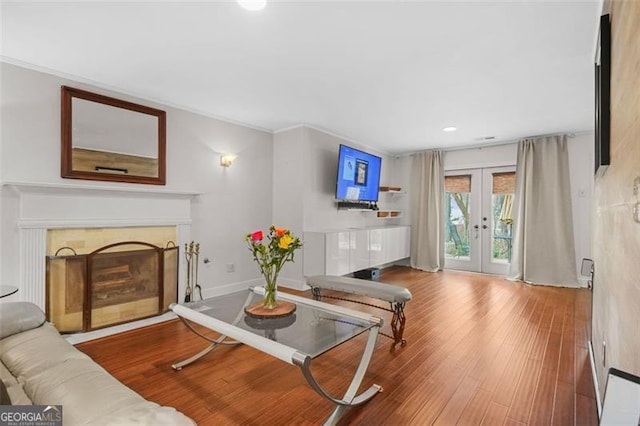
x,y
16,317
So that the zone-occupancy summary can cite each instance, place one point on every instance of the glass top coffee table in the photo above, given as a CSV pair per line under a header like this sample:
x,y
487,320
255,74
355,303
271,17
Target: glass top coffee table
x,y
7,290
313,329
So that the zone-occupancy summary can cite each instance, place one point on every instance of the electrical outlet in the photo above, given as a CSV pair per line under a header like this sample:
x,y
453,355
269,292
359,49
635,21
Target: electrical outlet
x,y
231,267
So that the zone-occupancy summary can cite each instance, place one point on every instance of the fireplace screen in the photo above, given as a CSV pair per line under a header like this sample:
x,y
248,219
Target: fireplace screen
x,y
115,284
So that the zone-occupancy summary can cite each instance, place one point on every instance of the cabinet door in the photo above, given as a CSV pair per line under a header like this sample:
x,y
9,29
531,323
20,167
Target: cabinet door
x,y
377,253
337,246
359,250
405,242
392,244
397,243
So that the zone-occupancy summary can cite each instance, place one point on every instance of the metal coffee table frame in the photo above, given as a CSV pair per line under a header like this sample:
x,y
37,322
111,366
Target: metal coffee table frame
x,y
285,353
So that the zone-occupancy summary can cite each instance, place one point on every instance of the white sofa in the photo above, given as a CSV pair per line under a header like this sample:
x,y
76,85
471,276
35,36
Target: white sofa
x,y
40,367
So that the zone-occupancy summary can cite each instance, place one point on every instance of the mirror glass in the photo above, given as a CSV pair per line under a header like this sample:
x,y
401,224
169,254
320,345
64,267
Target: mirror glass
x,y
105,138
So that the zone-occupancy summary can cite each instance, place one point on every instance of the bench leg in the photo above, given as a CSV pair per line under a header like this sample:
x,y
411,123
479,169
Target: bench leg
x,y
397,321
397,325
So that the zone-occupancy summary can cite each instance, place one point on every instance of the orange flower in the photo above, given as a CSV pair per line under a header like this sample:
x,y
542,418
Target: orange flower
x,y
280,232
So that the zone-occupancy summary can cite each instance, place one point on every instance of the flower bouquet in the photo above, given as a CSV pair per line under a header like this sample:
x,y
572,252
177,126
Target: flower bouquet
x,y
271,252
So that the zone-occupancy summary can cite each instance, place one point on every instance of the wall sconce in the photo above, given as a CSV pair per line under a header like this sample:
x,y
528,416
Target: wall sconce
x,y
227,160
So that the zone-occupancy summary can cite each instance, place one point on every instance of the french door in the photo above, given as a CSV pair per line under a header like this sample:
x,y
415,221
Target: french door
x,y
478,219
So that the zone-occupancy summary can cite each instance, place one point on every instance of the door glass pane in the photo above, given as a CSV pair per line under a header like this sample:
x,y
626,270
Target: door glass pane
x,y
457,228
503,187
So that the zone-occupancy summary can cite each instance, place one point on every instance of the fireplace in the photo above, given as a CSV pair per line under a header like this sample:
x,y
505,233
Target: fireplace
x,y
114,284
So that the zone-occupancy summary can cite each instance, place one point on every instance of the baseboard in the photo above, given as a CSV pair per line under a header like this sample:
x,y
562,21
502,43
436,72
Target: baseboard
x,y
293,284
243,285
230,288
594,376
76,338
584,282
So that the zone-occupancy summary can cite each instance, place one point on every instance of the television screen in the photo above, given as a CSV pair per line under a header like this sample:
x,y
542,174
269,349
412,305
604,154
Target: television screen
x,y
358,175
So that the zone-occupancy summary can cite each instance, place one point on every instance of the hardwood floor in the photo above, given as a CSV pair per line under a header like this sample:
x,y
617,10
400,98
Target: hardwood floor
x,y
481,350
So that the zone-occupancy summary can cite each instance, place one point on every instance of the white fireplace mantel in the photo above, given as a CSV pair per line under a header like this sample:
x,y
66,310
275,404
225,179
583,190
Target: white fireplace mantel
x,y
39,207
129,188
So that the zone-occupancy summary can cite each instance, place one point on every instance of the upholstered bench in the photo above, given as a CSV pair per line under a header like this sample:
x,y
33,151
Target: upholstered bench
x,y
395,295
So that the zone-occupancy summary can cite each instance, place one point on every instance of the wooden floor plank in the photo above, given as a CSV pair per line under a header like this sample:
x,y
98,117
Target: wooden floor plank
x,y
479,348
566,369
522,400
456,404
564,397
496,414
584,381
586,411
475,410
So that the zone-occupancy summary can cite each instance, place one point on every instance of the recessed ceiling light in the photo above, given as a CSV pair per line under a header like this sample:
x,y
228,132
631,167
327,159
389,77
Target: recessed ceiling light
x,y
253,4
450,129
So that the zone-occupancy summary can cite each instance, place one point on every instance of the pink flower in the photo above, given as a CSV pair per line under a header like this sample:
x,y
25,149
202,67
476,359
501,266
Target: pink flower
x,y
256,236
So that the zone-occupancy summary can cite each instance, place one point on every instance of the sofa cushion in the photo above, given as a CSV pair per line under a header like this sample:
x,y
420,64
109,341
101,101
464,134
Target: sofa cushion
x,y
86,391
16,317
145,413
28,353
90,395
14,389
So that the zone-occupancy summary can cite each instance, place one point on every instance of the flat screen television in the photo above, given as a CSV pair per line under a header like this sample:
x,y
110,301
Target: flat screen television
x,y
358,175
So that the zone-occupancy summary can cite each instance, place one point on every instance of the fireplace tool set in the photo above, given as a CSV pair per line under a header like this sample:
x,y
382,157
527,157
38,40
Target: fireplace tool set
x,y
192,254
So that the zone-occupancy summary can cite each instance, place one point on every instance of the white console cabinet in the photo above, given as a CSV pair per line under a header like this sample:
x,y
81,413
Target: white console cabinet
x,y
345,251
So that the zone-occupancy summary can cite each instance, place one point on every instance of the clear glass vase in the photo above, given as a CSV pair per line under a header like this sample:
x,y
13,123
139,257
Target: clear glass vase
x,y
270,292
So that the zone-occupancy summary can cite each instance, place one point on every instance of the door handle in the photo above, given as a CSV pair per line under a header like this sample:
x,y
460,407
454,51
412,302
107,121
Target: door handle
x,y
476,228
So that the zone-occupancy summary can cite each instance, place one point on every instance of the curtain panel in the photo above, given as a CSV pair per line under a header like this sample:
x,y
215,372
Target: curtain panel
x,y
427,212
543,245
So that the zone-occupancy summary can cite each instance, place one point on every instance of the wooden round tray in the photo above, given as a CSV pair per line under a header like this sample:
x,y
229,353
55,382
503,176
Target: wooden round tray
x,y
282,310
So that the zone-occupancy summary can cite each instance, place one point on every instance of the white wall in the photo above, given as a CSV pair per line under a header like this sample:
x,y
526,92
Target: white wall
x,y
289,168
306,161
305,168
581,175
234,200
9,244
321,160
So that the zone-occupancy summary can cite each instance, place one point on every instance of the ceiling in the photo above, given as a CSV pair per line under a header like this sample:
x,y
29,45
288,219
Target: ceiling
x,y
389,75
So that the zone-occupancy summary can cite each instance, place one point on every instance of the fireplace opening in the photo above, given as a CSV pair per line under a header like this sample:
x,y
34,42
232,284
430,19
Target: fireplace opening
x,y
112,285
123,277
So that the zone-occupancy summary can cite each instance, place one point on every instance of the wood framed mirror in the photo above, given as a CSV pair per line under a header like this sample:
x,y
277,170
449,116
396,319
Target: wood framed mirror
x,y
110,139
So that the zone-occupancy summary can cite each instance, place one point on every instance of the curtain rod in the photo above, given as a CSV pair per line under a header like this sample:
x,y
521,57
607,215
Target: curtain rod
x,y
487,145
